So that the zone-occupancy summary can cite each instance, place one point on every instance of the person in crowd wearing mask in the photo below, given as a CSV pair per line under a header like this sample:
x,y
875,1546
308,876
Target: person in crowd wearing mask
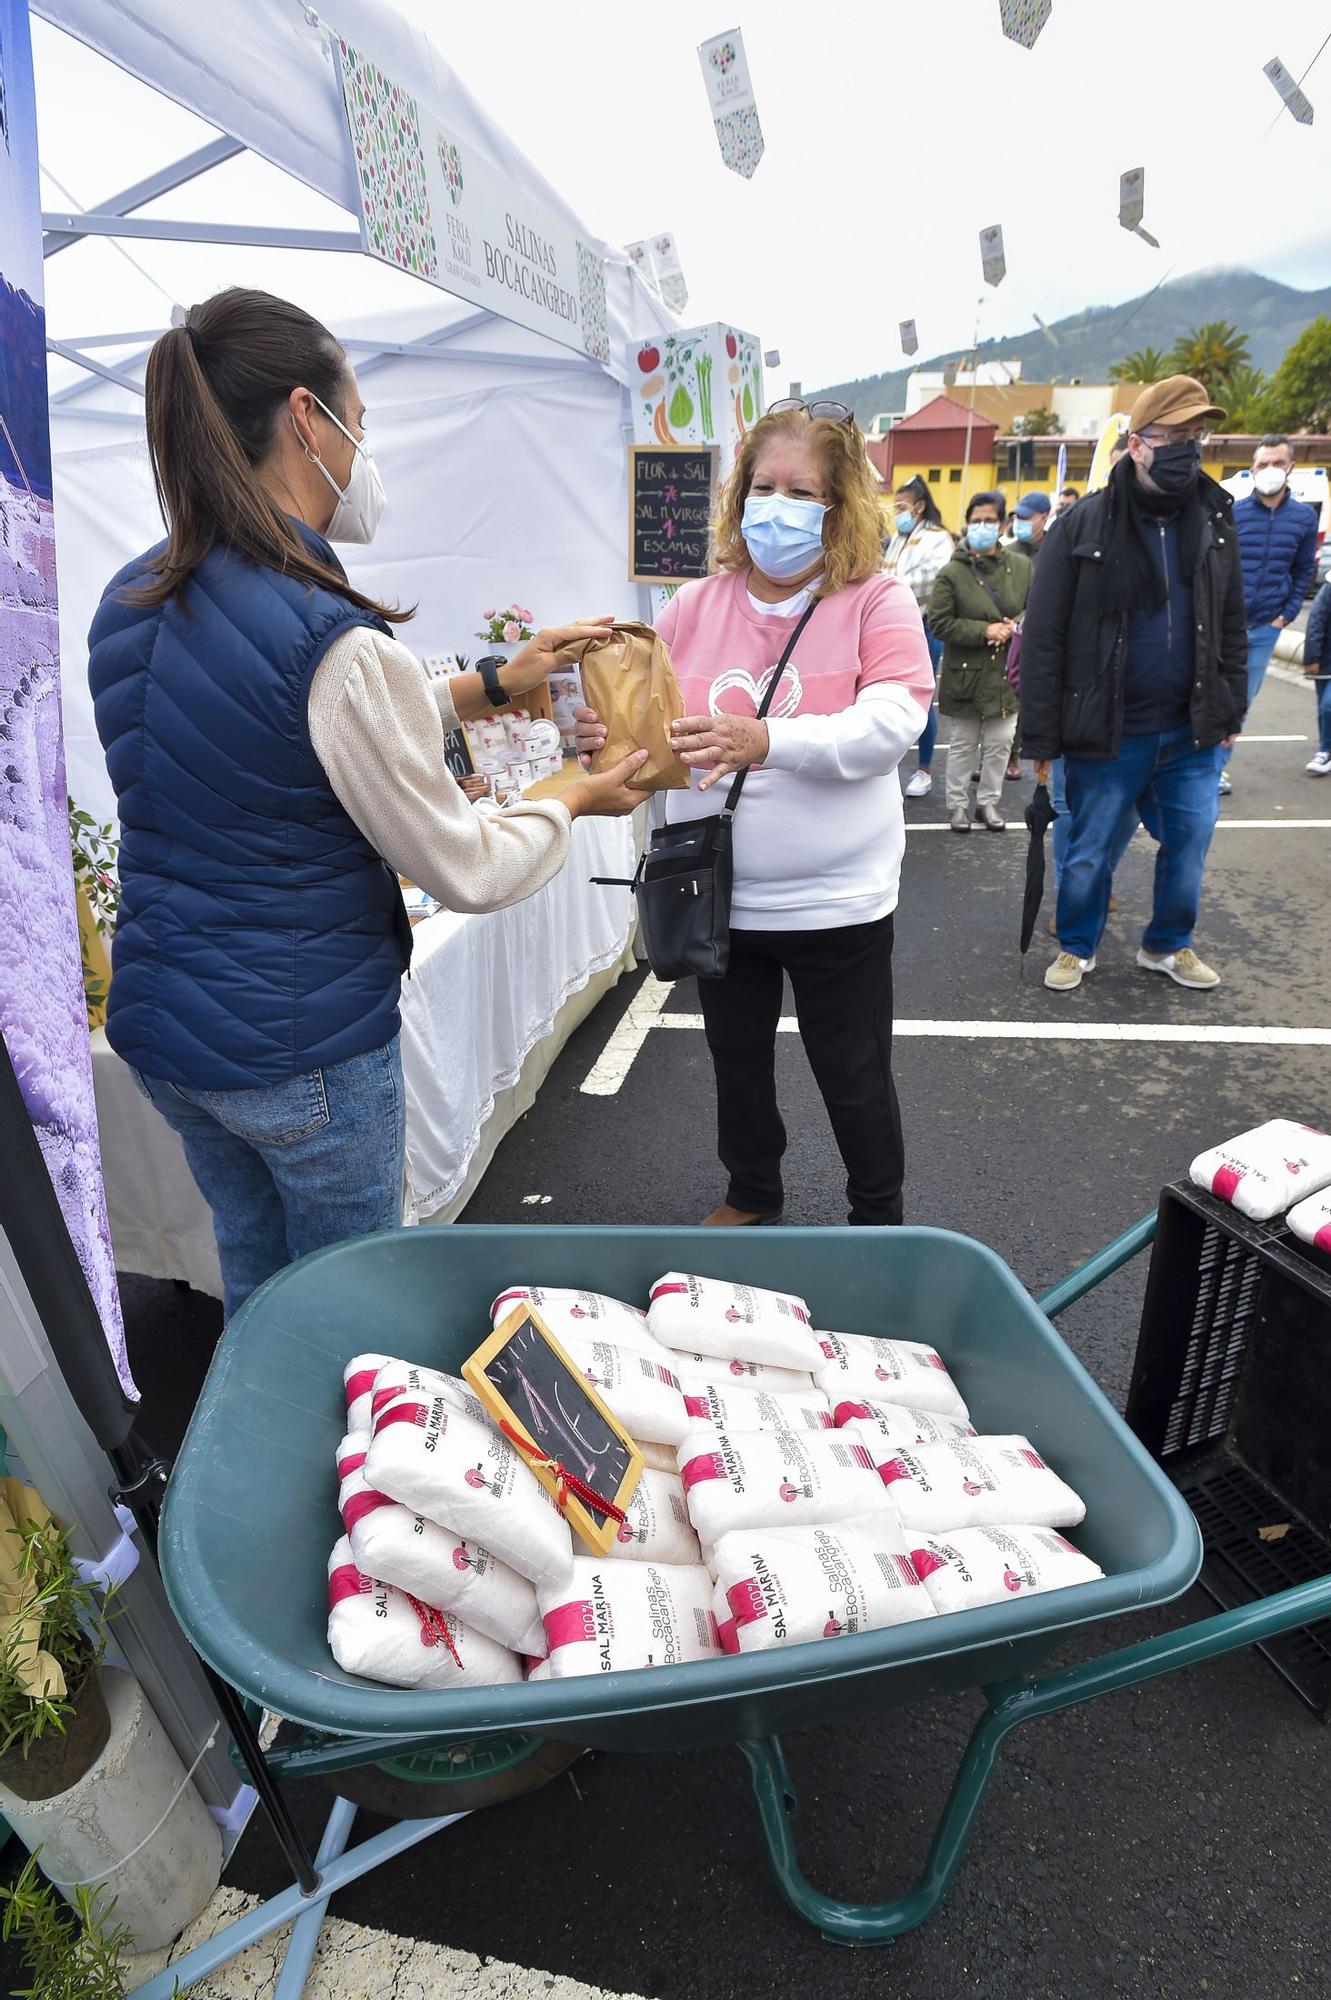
x,y
1317,665
974,609
1030,518
278,758
1062,827
916,554
1068,496
819,832
1278,544
1134,670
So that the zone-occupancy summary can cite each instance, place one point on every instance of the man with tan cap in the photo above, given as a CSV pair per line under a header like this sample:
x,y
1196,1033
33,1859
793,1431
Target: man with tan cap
x,y
1134,670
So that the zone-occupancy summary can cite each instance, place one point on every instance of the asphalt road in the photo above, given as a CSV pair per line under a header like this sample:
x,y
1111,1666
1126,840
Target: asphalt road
x,y
1171,1841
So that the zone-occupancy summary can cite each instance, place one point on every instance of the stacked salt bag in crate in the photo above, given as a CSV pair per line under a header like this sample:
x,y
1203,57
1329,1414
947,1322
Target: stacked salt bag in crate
x,y
811,1535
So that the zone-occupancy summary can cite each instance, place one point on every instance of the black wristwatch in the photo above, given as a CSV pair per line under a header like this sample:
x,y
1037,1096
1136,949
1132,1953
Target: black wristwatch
x,y
488,669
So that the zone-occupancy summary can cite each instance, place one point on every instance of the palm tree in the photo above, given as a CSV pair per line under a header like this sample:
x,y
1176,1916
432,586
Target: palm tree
x,y
1212,353
1148,364
1244,394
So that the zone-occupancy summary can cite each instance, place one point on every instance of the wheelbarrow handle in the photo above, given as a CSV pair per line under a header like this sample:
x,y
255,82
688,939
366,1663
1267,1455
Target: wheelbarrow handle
x,y
1099,1267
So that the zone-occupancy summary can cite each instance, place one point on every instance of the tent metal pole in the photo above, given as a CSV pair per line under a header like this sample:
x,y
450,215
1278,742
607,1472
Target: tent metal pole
x,y
68,353
162,182
134,339
160,228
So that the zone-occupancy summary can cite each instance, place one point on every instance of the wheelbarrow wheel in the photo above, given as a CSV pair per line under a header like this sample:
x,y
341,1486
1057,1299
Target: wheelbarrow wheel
x,y
466,1778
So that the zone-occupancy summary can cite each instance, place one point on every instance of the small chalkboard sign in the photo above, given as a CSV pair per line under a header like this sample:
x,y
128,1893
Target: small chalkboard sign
x,y
457,754
670,511
573,1443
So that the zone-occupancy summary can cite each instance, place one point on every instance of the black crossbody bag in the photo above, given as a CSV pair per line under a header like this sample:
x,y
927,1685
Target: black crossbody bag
x,y
684,880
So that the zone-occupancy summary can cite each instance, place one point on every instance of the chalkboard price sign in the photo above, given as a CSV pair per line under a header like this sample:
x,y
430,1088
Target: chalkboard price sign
x,y
670,511
539,1398
457,753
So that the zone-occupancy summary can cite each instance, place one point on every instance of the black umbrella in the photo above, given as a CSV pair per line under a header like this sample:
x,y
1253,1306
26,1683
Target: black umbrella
x,y
1040,816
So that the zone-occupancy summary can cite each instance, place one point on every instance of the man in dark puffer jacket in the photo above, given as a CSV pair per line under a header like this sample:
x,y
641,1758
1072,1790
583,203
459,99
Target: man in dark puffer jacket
x,y
1134,670
1278,545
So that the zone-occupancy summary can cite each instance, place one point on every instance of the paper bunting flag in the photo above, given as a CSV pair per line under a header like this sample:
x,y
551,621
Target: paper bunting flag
x,y
669,273
772,357
640,255
992,260
1047,331
1131,197
909,338
1061,469
725,70
1023,19
1299,107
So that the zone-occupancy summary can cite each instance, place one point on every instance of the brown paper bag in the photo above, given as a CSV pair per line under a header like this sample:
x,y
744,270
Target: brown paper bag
x,y
628,679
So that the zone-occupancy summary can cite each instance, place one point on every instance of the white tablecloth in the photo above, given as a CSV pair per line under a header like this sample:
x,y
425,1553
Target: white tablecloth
x,y
490,1001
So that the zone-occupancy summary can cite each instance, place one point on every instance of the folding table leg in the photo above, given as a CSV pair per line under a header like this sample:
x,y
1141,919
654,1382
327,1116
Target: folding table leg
x,y
305,1931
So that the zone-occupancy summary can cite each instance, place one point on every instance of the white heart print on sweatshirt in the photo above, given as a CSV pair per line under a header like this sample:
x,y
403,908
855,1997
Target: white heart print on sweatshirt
x,y
738,680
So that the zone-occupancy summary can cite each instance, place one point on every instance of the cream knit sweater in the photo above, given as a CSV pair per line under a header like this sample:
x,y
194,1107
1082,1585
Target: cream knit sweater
x,y
377,724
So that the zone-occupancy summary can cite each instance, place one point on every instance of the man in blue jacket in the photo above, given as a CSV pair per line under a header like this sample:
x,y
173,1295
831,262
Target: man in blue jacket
x,y
1278,544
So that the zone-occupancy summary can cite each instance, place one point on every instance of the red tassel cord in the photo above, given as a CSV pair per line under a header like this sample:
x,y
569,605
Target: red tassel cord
x,y
568,1481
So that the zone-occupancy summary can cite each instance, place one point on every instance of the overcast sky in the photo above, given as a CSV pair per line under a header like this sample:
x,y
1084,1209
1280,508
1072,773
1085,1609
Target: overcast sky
x,y
894,133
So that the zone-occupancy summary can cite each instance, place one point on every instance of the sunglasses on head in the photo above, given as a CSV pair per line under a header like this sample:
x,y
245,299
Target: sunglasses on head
x,y
837,413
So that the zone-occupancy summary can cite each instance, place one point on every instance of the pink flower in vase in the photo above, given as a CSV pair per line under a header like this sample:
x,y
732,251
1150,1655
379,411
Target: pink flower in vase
x,y
487,614
512,633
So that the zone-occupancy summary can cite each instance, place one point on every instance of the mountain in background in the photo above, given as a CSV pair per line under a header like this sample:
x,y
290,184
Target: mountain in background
x,y
1271,315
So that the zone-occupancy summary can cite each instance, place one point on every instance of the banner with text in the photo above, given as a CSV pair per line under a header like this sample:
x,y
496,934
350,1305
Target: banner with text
x,y
436,207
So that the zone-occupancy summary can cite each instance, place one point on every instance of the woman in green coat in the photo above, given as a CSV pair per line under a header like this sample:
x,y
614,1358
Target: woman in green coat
x,y
975,607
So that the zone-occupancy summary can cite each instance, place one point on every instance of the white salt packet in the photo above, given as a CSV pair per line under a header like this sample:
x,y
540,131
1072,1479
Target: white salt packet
x,y
358,1384
857,1365
979,1566
386,1635
441,1463
642,1392
897,1423
786,1585
712,1316
754,1479
395,1376
979,1482
656,1526
661,1457
744,1409
1262,1172
1311,1220
591,1315
614,1616
391,1543
693,1369
727,1632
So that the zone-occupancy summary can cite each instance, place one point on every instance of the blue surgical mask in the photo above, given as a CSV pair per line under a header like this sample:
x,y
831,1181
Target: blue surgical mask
x,y
982,535
784,537
905,522
1022,530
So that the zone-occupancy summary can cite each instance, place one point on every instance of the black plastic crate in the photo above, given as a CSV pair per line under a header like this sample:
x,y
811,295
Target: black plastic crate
x,y
1231,1393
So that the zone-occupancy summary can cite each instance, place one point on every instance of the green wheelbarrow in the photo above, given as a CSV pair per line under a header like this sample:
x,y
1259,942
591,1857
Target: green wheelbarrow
x,y
250,1515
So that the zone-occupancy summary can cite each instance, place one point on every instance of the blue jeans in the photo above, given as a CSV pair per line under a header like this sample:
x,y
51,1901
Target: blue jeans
x,y
1261,645
928,736
1322,689
1173,786
293,1166
1062,830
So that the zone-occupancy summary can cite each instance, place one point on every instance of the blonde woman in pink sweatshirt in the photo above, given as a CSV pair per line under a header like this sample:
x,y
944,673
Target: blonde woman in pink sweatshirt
x,y
819,833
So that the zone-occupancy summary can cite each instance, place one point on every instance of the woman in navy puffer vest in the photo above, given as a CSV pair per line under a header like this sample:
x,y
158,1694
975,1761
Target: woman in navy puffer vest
x,y
278,760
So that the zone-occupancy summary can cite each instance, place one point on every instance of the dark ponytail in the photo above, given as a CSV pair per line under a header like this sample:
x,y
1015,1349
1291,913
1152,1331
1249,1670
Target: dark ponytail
x,y
216,390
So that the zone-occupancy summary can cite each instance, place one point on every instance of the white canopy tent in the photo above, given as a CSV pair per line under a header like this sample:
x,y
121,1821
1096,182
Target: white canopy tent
x,y
503,453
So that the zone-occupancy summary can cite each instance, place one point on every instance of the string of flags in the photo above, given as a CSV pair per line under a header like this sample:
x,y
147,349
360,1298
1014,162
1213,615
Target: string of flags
x,y
1299,107
992,260
725,69
658,260
910,341
1132,204
1023,20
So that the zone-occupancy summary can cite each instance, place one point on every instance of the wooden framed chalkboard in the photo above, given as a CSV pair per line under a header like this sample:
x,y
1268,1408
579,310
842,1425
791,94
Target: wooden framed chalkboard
x,y
457,753
670,511
536,1393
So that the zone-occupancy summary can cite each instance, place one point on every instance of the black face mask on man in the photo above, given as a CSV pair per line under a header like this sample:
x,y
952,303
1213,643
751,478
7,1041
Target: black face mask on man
x,y
1174,467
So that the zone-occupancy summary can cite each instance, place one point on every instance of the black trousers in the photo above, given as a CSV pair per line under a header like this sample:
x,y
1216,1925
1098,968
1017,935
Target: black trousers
x,y
842,982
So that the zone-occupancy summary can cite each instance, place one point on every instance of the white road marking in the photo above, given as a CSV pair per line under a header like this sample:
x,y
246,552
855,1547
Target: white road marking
x,y
353,1961
1018,825
1072,1031
616,1058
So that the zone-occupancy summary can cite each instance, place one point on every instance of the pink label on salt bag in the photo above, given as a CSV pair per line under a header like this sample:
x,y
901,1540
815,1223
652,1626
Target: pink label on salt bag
x,y
1322,1240
896,1468
924,1562
353,1462
1225,1182
404,1413
363,1503
360,1385
727,1635
698,1406
746,1601
345,1582
846,1413
570,1624
861,1457
708,1465
667,1291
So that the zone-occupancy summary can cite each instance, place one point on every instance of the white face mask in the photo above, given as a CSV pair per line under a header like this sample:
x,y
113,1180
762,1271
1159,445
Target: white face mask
x,y
361,502
1270,479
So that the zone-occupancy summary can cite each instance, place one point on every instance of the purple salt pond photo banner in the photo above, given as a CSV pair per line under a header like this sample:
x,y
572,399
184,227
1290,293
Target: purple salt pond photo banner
x,y
42,1011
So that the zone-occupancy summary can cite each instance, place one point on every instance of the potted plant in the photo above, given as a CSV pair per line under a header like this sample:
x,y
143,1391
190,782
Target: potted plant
x,y
510,627
71,1950
54,1723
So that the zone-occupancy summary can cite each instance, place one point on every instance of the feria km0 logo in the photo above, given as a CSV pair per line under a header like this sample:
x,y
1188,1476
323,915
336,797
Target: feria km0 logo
x,y
451,162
